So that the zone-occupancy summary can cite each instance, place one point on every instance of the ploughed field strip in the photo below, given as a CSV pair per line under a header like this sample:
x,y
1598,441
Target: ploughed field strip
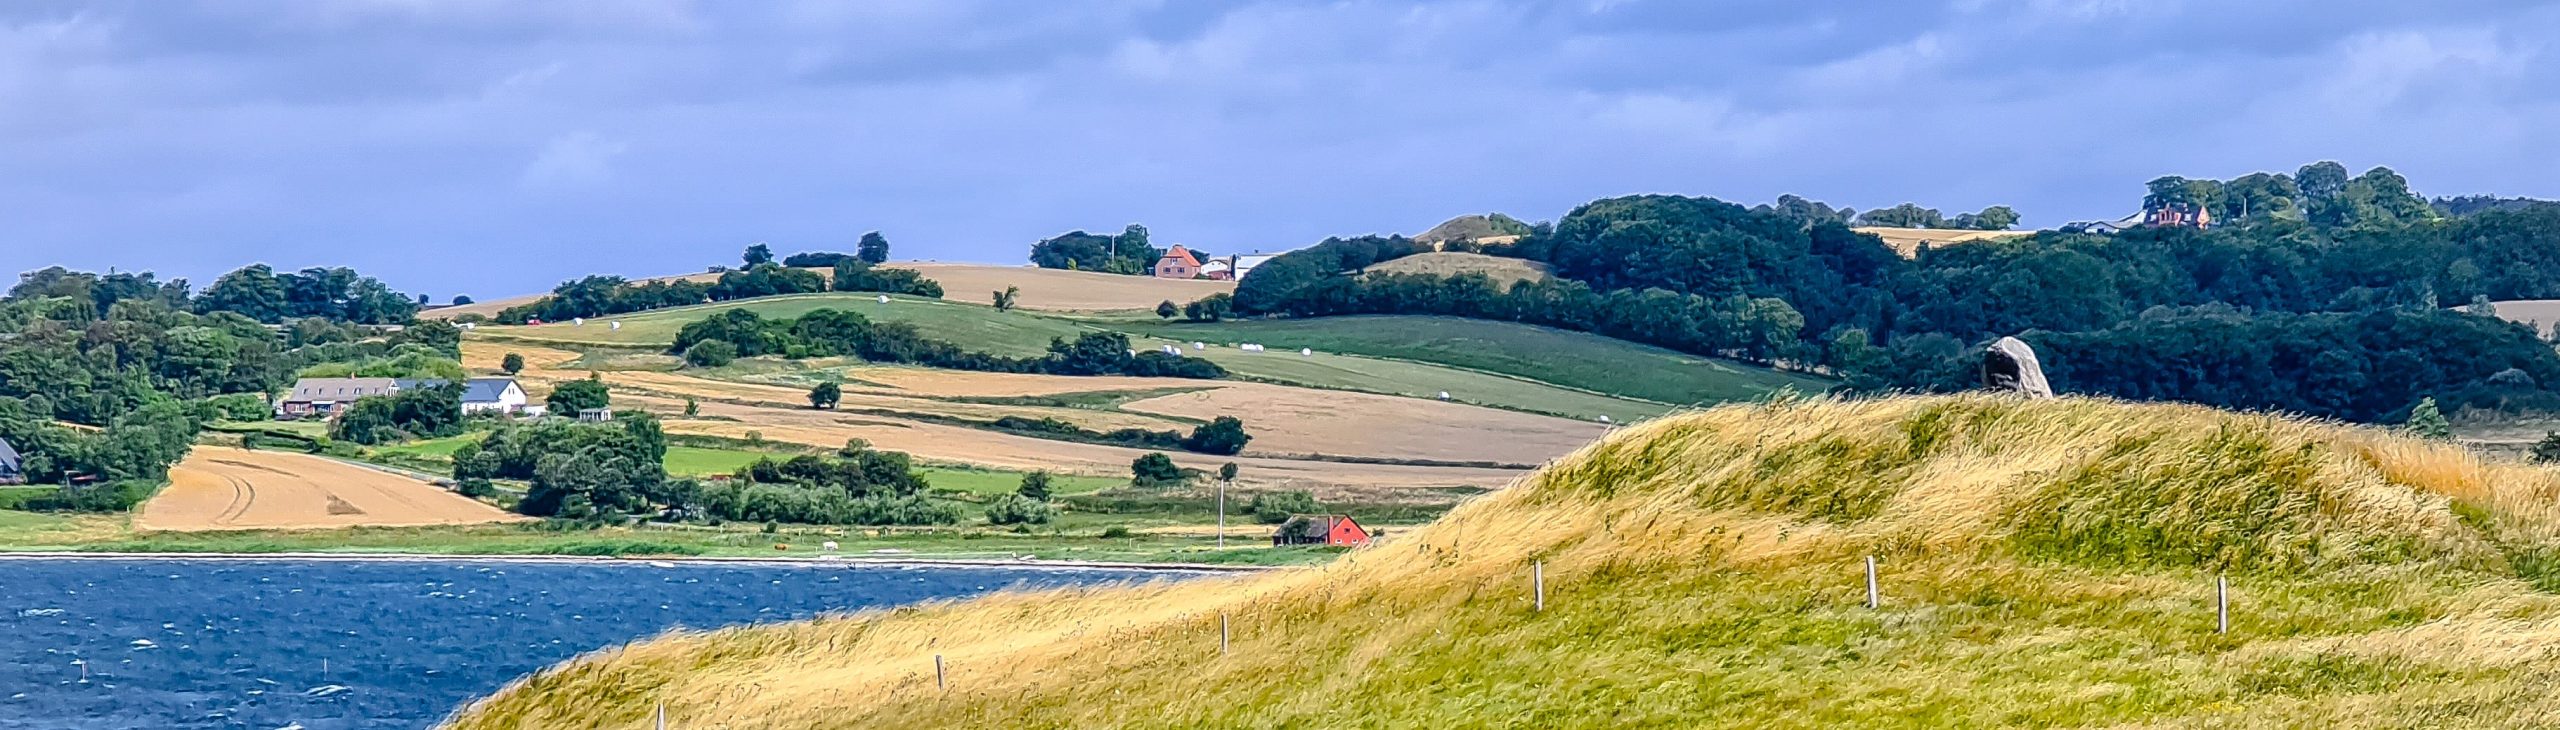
x,y
220,488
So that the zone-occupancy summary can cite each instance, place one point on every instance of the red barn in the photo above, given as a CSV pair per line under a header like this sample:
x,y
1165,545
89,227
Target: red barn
x,y
1336,530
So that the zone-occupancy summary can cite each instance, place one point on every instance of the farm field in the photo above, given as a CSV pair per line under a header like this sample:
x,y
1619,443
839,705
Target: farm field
x,y
1061,290
2541,314
1571,359
220,488
1503,270
1907,241
969,325
1293,421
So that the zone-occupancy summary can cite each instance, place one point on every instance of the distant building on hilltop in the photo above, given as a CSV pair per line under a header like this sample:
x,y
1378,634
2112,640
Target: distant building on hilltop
x,y
1336,530
1178,264
2177,215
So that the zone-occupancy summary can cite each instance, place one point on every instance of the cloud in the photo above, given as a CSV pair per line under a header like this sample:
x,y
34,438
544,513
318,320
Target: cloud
x,y
574,160
196,136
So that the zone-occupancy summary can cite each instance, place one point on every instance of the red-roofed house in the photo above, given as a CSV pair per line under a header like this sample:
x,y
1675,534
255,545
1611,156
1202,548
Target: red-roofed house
x,y
1337,530
1178,264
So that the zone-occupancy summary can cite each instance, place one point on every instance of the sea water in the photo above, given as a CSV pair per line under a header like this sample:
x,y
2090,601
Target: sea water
x,y
330,645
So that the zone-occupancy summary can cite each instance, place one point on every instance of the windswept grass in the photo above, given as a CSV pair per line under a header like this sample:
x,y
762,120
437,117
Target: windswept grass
x,y
2045,564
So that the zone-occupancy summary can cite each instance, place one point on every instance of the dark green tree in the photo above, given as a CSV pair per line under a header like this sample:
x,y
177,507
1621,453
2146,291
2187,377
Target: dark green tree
x,y
1166,310
2547,450
1223,436
1004,299
1155,470
758,255
512,363
1035,486
825,395
874,248
577,395
2426,422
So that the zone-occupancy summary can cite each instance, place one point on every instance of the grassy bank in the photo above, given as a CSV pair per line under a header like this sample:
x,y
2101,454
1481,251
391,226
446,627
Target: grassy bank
x,y
2043,564
25,532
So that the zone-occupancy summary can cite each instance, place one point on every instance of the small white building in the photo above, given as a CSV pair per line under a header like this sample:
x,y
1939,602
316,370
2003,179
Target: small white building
x,y
493,395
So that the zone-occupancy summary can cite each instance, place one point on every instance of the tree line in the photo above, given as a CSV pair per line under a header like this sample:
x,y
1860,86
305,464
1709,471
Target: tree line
x,y
1128,252
256,291
603,295
2366,269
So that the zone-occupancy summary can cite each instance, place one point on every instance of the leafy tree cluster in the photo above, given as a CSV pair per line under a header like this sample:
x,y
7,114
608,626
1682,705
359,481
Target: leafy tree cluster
x,y
836,332
580,470
425,412
1272,508
1803,291
864,276
858,486
1911,215
334,293
567,399
598,296
1156,471
1223,436
1126,253
102,467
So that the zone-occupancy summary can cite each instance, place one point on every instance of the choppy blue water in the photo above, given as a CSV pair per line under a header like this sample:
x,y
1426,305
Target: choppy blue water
x,y
330,645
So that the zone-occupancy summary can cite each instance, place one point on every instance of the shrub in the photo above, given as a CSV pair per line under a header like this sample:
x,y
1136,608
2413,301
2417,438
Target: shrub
x,y
1015,509
1035,486
1224,437
476,488
234,407
710,353
1114,532
1272,508
1155,470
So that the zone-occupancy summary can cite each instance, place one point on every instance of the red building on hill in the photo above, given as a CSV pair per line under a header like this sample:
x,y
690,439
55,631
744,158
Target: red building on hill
x,y
1178,264
1336,530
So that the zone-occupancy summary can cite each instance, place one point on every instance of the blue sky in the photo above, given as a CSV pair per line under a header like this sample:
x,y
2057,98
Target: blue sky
x,y
495,147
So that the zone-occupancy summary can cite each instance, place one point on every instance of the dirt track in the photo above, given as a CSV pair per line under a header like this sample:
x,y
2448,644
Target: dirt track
x,y
220,488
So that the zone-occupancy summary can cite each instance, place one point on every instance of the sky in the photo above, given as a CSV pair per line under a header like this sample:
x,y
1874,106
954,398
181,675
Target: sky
x,y
497,147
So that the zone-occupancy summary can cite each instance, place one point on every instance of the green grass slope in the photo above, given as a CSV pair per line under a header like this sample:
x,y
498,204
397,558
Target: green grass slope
x,y
2044,563
1572,359
971,326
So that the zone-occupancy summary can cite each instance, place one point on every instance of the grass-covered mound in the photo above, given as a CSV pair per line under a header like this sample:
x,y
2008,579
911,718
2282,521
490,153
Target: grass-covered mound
x,y
2044,563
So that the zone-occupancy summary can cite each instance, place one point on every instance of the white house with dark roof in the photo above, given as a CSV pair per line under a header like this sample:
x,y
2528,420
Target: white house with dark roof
x,y
493,395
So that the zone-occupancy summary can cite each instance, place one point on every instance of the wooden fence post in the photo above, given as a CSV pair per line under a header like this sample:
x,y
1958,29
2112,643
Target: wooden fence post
x,y
1222,634
939,679
1538,582
2221,605
1875,598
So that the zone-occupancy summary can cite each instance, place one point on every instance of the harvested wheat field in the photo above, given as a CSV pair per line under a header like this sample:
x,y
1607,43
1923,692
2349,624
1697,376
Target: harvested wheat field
x,y
954,444
1286,421
1907,241
786,397
1062,290
220,488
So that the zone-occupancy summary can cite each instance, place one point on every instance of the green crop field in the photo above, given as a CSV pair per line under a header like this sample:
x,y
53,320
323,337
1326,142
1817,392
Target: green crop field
x,y
1571,359
971,326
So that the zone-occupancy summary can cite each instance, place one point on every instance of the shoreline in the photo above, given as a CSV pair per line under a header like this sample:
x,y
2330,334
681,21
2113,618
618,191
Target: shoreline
x,y
673,561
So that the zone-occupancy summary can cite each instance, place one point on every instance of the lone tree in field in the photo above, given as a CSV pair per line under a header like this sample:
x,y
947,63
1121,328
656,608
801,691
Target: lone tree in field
x,y
578,395
1035,486
1166,310
1224,437
874,248
2426,422
1227,472
758,255
513,363
825,395
1155,470
1004,299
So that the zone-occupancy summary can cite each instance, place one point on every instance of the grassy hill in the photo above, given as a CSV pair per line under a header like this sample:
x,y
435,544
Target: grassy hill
x,y
1571,359
972,326
2044,563
1500,364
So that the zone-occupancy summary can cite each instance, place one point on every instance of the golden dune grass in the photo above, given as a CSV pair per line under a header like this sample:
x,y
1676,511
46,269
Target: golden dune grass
x,y
2048,563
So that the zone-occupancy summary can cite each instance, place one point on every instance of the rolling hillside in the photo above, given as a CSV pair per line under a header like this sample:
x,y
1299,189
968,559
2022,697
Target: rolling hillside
x,y
2042,563
1571,359
1504,271
970,325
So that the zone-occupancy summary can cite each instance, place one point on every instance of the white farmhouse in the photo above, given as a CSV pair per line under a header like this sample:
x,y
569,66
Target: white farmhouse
x,y
493,395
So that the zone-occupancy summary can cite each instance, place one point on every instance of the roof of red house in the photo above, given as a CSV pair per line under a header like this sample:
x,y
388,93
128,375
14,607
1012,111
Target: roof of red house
x,y
1181,254
1312,526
